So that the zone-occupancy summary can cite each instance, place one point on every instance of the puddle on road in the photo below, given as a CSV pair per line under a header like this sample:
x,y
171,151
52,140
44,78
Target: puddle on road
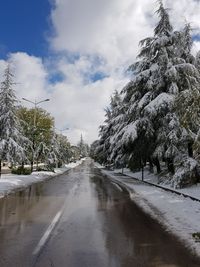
x,y
14,205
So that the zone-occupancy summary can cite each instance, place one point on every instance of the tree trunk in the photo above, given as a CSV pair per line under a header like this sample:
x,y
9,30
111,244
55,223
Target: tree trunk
x,y
23,167
170,166
157,163
150,165
142,172
37,164
0,168
190,150
32,165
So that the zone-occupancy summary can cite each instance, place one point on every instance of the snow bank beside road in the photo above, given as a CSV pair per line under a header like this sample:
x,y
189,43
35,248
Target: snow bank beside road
x,y
193,191
12,182
178,214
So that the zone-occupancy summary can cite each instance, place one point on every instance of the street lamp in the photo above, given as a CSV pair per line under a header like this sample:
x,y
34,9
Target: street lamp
x,y
35,103
62,130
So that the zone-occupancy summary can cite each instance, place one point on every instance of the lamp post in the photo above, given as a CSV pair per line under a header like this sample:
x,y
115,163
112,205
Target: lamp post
x,y
61,130
35,103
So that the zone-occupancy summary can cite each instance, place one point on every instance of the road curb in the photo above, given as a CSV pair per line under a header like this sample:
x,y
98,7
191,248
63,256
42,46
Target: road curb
x,y
159,186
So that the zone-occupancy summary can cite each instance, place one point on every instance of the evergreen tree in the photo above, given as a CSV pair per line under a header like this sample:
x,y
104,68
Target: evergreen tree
x,y
52,153
149,96
84,149
11,138
197,61
164,71
114,153
64,149
159,112
103,148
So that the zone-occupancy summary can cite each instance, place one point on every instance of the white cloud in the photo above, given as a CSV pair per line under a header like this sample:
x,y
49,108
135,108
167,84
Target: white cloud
x,y
79,105
30,75
182,11
110,29
196,47
74,103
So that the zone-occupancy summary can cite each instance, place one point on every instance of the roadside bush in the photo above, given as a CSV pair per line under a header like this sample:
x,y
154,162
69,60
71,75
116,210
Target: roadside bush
x,y
186,174
41,169
50,167
21,171
196,236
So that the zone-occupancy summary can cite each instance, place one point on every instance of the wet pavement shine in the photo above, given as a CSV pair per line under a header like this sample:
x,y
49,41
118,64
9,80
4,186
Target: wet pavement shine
x,y
81,219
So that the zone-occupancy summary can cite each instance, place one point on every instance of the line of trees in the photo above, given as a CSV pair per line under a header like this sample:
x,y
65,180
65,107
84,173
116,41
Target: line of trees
x,y
155,119
25,141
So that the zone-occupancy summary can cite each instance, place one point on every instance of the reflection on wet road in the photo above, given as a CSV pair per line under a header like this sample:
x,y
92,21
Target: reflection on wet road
x,y
81,219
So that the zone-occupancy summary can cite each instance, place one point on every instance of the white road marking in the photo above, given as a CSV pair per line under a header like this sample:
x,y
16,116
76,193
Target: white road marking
x,y
117,186
51,227
46,235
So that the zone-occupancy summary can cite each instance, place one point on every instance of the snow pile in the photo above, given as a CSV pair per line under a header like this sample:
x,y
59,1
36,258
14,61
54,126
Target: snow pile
x,y
12,182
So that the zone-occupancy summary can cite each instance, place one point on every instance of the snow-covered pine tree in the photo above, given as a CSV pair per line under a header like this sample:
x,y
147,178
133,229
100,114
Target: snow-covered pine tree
x,y
103,147
108,148
197,61
152,129
115,154
52,152
11,138
83,147
93,151
184,43
188,112
41,152
148,96
160,105
63,148
197,137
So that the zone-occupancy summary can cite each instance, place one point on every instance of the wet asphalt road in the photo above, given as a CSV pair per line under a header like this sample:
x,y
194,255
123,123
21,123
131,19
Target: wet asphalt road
x,y
82,220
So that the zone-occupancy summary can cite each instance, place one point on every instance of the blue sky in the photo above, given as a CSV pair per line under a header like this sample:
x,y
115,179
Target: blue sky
x,y
24,26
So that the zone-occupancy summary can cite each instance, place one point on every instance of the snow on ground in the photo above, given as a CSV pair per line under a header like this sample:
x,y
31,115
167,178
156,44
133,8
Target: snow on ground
x,y
178,214
193,191
12,182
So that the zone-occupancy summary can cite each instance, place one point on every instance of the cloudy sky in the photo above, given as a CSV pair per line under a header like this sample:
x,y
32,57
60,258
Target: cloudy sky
x,y
75,52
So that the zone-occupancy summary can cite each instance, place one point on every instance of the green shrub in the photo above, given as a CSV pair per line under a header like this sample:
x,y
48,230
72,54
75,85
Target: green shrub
x,y
41,169
50,167
196,236
21,171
